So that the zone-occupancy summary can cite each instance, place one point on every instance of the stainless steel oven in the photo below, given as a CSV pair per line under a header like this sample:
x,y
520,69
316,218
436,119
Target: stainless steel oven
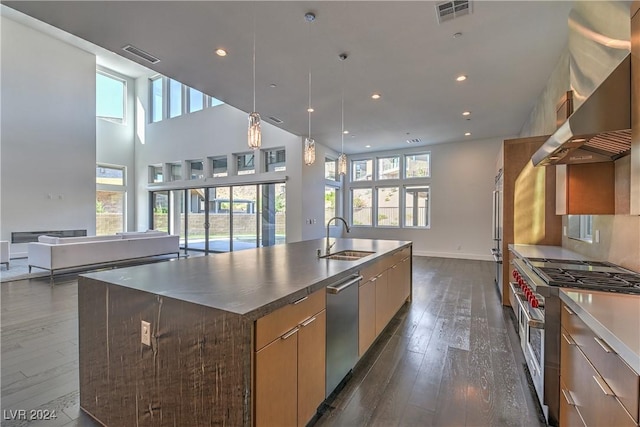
x,y
531,331
536,284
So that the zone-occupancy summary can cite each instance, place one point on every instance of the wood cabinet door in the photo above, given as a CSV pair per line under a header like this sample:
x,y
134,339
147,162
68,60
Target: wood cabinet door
x,y
366,315
277,382
311,366
383,305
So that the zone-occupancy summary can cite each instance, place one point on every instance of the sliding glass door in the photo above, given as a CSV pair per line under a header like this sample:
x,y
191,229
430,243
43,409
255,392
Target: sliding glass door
x,y
222,219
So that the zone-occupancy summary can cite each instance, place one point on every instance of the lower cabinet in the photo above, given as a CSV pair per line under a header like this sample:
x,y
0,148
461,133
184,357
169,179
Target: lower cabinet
x,y
290,369
596,384
385,288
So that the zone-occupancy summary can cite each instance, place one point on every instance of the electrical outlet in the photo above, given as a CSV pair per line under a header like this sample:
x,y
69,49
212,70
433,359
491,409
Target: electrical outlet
x,y
564,230
145,330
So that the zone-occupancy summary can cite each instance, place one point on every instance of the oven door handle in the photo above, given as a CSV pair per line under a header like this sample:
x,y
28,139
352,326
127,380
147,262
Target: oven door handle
x,y
533,323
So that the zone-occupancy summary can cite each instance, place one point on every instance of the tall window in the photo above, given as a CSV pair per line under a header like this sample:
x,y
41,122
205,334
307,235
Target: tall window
x,y
156,99
416,206
330,169
331,197
361,203
196,100
175,98
110,199
111,94
388,207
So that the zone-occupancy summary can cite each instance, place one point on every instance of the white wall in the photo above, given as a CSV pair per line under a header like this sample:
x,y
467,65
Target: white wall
x,y
114,145
462,181
48,134
216,131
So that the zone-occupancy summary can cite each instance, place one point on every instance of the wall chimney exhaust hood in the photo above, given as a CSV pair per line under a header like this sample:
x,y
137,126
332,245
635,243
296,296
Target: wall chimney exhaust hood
x,y
599,130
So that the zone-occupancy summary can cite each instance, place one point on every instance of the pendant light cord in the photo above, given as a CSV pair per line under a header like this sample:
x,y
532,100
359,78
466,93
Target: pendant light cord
x,y
254,62
342,105
309,108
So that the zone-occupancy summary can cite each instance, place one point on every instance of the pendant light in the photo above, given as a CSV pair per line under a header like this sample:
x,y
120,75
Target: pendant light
x,y
342,158
254,133
309,143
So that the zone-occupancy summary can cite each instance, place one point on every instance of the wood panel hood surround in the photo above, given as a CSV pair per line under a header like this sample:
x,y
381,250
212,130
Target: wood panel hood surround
x,y
198,370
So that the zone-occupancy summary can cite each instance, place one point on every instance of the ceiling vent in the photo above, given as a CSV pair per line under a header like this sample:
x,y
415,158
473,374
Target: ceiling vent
x,y
449,10
141,54
275,120
414,141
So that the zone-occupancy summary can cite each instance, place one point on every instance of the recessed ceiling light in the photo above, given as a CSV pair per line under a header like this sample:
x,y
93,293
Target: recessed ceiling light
x,y
310,110
467,134
221,52
461,78
457,35
367,146
346,132
466,113
273,85
376,96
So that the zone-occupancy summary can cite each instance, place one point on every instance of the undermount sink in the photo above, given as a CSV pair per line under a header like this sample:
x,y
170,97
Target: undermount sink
x,y
348,255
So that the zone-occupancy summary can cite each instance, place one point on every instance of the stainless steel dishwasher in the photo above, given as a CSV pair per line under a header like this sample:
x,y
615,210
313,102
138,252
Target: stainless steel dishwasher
x,y
342,330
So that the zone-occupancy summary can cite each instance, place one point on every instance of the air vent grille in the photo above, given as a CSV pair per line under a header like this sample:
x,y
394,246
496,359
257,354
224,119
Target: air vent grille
x,y
141,54
275,120
449,10
414,141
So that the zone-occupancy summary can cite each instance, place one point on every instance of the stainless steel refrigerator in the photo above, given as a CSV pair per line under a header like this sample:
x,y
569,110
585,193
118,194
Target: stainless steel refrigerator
x,y
496,250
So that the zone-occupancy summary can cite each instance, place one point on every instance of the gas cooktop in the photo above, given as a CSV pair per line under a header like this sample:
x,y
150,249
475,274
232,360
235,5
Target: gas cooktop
x,y
591,275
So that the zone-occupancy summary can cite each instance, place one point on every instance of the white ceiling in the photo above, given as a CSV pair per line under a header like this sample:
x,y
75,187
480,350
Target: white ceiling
x,y
397,48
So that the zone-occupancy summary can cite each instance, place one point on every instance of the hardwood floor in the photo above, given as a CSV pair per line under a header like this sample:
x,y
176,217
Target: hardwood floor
x,y
448,358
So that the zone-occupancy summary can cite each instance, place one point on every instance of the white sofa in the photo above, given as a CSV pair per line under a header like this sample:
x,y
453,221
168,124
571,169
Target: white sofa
x,y
58,253
4,253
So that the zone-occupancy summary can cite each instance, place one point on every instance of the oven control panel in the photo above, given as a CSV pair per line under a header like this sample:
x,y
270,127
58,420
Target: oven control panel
x,y
535,300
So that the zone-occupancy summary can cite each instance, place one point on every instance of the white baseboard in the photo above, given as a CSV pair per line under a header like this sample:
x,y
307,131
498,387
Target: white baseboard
x,y
458,255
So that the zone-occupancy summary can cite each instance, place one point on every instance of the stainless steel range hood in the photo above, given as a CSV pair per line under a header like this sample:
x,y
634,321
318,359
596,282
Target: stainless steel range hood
x,y
599,130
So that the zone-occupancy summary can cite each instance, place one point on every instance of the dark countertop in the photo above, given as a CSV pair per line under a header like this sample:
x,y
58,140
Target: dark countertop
x,y
252,282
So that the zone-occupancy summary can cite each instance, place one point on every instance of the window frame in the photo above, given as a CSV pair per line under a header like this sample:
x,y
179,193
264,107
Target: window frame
x,y
114,188
163,97
123,120
404,166
404,208
401,182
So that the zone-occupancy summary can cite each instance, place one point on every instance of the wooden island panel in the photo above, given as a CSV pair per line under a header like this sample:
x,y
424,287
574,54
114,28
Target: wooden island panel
x,y
196,372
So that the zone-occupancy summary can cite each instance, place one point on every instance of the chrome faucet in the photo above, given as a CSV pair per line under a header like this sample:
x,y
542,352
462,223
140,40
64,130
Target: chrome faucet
x,y
329,246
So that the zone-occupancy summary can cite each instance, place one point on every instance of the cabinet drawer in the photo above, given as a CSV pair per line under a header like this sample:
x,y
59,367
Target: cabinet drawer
x,y
621,378
569,415
589,391
370,271
277,323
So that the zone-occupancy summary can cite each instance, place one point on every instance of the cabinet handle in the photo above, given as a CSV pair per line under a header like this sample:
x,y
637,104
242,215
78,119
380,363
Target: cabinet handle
x,y
568,310
289,334
395,266
568,339
299,301
604,345
568,398
307,322
603,386
374,279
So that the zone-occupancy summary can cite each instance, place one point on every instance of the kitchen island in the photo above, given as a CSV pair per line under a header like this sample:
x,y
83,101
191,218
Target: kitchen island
x,y
199,367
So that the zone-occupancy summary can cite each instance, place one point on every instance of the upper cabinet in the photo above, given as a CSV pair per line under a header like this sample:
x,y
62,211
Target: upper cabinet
x,y
585,189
